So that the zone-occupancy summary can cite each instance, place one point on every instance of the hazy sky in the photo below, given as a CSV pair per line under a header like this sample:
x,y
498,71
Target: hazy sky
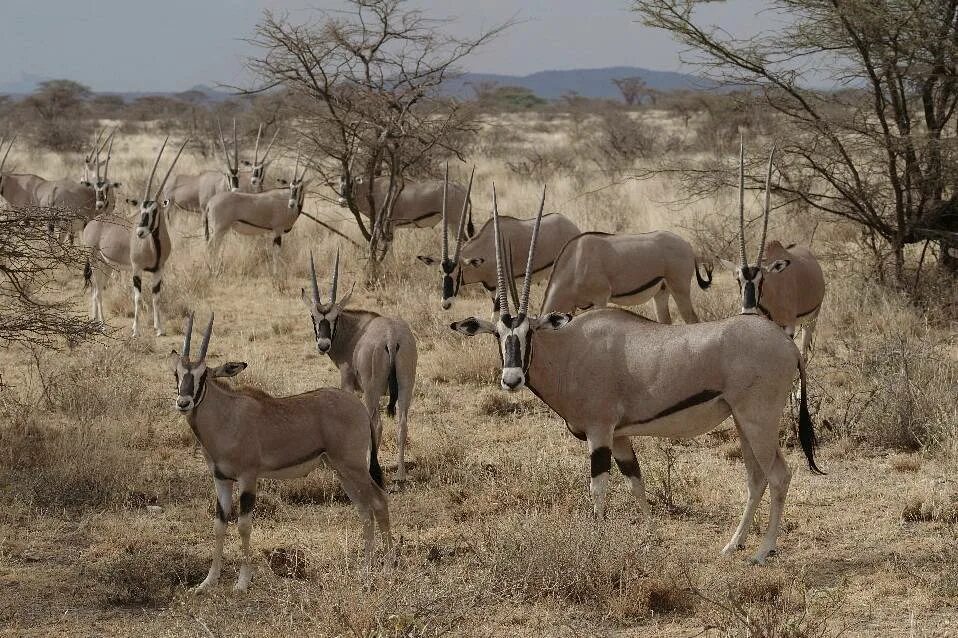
x,y
167,45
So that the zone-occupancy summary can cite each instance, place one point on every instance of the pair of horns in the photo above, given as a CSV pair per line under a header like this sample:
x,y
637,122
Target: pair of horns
x,y
234,164
188,332
522,302
297,176
741,204
106,165
149,184
335,284
462,217
256,158
7,153
99,143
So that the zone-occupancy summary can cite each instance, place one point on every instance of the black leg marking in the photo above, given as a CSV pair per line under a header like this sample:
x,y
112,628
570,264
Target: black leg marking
x,y
137,283
217,472
220,514
601,461
247,501
156,287
629,468
278,240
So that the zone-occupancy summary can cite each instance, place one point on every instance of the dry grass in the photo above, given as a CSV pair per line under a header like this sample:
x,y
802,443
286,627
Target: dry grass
x,y
106,507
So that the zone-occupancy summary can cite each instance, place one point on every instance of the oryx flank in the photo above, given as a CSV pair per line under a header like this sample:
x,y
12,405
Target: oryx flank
x,y
629,270
373,353
273,212
474,259
785,284
417,204
145,247
611,375
246,434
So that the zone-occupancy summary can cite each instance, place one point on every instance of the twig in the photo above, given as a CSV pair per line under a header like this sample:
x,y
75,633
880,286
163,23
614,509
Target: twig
x,y
331,229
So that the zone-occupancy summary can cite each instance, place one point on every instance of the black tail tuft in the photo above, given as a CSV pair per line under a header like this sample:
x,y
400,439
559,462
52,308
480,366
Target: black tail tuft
x,y
393,386
470,227
206,226
87,274
703,283
806,431
375,470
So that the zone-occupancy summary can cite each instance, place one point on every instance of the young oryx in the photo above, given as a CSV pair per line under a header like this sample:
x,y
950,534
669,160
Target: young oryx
x,y
418,204
473,262
372,352
596,268
144,248
274,212
785,284
246,434
611,375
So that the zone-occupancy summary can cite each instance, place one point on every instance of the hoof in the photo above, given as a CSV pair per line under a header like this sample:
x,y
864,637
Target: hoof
x,y
761,557
241,588
732,548
160,333
202,588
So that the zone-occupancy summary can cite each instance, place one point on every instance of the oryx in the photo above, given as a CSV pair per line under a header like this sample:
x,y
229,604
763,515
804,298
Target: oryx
x,y
416,204
611,375
104,191
373,353
273,212
474,259
785,284
144,247
246,434
91,161
629,270
257,175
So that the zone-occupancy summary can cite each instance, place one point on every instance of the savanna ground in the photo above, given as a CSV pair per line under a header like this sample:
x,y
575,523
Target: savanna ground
x,y
105,507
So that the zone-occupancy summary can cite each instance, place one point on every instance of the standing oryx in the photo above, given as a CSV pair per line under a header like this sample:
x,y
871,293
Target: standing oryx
x,y
629,270
612,375
91,161
785,284
473,262
416,204
145,247
257,175
246,434
104,191
373,353
273,212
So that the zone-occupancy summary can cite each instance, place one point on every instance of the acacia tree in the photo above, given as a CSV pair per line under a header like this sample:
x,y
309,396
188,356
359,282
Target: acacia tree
x,y
366,86
880,155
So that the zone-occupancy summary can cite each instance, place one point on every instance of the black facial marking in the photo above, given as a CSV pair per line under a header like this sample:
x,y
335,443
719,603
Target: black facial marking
x,y
137,283
186,385
156,287
629,468
513,352
601,461
247,501
749,299
448,287
323,330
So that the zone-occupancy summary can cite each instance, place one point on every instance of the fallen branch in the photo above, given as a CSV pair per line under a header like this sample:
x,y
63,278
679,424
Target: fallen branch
x,y
332,230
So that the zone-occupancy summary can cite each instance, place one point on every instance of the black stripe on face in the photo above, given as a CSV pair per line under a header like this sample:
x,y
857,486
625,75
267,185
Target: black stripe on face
x,y
324,330
749,299
187,385
448,287
512,358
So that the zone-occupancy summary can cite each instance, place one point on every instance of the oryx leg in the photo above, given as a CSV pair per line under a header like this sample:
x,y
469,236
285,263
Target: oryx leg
x,y
214,248
683,299
244,522
156,290
600,460
628,464
756,484
369,499
274,249
808,330
661,301
405,369
224,508
137,294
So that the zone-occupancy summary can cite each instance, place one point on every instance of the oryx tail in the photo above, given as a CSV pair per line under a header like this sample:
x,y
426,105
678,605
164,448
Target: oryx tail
x,y
806,429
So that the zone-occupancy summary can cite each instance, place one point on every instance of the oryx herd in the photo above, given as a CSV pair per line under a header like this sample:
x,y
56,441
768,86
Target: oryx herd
x,y
608,372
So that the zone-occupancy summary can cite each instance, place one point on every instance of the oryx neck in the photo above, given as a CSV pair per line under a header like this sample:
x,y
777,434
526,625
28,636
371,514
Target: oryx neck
x,y
211,420
350,327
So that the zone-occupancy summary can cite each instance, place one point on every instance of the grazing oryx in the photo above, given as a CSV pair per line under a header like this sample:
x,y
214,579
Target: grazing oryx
x,y
246,434
193,192
417,204
274,212
785,284
474,260
145,247
611,375
596,268
373,354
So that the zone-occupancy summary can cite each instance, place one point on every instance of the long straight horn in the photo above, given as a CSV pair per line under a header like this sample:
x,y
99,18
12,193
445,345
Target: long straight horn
x,y
462,217
170,169
741,200
335,285
226,153
106,166
187,335
445,220
206,340
269,146
96,158
259,134
108,139
527,283
767,210
4,160
312,272
500,273
235,148
149,184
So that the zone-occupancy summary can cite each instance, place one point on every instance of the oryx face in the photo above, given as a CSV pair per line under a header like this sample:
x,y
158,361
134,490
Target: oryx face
x,y
149,218
101,191
258,175
325,317
514,335
751,280
190,378
451,278
232,180
345,189
297,195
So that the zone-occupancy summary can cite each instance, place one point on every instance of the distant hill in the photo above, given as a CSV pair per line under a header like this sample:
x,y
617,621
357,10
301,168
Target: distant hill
x,y
591,83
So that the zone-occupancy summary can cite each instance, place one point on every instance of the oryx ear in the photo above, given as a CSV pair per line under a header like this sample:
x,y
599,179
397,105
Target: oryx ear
x,y
429,261
342,303
282,181
553,321
473,326
228,369
117,184
306,299
729,265
246,163
475,262
132,202
173,358
358,180
166,203
83,182
778,265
